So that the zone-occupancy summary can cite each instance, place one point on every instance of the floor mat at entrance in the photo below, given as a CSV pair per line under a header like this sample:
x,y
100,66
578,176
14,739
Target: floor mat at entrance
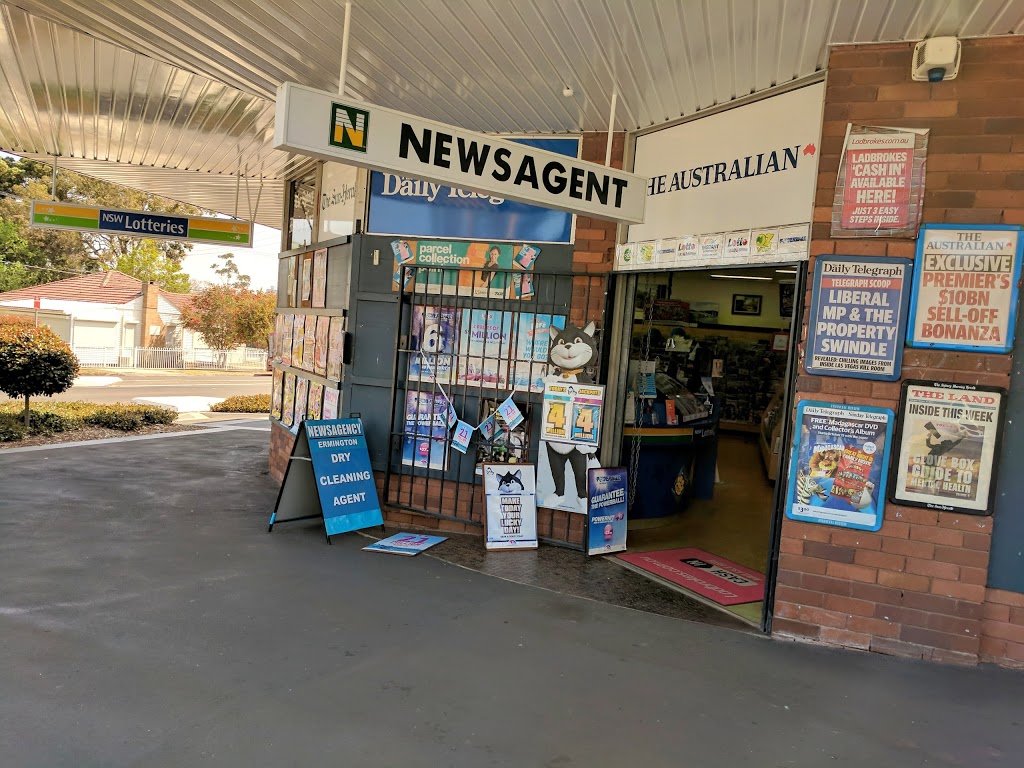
x,y
710,576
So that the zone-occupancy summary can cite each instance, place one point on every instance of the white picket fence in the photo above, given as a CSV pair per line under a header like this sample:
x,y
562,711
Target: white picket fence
x,y
240,359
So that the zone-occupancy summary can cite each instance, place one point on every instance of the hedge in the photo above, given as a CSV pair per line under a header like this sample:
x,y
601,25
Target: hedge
x,y
244,404
53,417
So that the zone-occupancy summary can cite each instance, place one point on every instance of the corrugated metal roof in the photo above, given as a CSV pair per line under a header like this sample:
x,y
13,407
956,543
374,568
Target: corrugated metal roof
x,y
188,84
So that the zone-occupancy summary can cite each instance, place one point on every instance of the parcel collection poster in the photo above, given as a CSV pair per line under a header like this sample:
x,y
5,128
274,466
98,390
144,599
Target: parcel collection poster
x,y
949,436
839,470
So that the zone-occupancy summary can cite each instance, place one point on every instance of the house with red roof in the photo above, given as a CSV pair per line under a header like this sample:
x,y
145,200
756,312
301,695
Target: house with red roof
x,y
106,316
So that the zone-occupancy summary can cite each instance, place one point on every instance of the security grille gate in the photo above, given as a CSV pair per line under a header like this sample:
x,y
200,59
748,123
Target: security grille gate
x,y
472,337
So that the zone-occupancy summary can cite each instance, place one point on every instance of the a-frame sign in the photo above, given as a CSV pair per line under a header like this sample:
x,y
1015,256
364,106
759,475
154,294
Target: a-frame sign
x,y
329,471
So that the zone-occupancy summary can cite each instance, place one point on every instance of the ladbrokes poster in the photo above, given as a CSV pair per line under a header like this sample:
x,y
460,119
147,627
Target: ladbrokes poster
x,y
948,440
839,467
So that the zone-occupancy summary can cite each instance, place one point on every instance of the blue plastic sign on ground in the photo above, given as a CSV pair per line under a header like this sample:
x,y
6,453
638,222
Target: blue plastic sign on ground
x,y
606,521
858,317
840,465
414,208
408,544
344,478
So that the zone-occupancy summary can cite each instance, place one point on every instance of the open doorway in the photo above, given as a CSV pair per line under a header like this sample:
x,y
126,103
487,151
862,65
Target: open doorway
x,y
707,392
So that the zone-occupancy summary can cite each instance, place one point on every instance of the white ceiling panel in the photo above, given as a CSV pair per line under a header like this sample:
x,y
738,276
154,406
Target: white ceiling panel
x,y
189,84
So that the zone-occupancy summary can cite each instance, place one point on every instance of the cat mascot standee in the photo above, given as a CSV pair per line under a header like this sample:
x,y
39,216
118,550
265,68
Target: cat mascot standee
x,y
571,351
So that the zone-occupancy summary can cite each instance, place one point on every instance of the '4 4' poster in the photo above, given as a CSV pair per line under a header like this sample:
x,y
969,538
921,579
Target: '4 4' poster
x,y
839,467
572,413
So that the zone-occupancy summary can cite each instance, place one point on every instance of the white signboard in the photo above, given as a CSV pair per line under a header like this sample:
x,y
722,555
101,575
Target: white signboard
x,y
337,201
324,125
510,493
748,167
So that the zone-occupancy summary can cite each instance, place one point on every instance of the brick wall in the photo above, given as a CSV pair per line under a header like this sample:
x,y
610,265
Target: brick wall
x,y
917,586
281,442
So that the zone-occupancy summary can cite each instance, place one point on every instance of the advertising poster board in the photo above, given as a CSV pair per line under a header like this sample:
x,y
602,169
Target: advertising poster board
x,y
572,413
425,443
948,442
404,206
858,317
606,522
308,344
301,402
288,403
320,277
335,348
298,339
337,474
839,469
510,494
446,267
432,343
485,342
880,184
277,392
320,351
965,287
285,343
331,396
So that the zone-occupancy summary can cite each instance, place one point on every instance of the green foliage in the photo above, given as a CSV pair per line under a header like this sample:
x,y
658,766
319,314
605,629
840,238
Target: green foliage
x,y
53,417
148,263
227,316
230,273
244,404
33,361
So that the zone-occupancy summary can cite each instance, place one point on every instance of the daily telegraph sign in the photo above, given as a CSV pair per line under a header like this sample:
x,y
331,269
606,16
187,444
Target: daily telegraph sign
x,y
114,221
323,125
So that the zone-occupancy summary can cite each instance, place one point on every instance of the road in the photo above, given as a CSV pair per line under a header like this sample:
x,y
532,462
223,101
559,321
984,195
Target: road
x,y
133,385
149,619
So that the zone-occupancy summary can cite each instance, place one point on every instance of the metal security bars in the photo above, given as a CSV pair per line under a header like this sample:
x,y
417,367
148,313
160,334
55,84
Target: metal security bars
x,y
471,338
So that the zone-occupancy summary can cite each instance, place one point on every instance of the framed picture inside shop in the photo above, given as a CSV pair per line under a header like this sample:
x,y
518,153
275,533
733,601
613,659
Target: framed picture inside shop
x,y
787,297
746,304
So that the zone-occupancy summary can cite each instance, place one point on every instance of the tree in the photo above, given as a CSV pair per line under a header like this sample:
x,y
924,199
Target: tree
x,y
33,361
227,316
148,263
229,272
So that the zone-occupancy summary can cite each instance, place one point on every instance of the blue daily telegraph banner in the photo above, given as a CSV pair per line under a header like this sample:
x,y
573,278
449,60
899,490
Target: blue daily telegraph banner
x,y
606,490
344,478
858,317
414,208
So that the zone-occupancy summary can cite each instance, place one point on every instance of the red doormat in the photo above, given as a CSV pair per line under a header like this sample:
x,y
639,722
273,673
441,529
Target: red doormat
x,y
710,576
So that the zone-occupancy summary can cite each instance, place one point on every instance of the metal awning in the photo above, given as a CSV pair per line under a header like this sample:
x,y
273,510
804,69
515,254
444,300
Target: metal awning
x,y
176,96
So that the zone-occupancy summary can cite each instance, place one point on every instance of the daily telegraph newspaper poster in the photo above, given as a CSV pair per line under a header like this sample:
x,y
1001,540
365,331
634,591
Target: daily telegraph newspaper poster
x,y
858,317
965,287
447,267
880,186
839,470
948,441
510,491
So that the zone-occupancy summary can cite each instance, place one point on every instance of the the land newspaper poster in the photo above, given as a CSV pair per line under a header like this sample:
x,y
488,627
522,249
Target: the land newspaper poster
x,y
948,441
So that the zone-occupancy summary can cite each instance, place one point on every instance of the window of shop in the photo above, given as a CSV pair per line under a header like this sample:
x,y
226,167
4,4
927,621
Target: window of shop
x,y
301,211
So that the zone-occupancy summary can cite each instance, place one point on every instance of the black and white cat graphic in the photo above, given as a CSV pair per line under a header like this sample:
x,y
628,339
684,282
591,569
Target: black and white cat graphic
x,y
570,352
508,482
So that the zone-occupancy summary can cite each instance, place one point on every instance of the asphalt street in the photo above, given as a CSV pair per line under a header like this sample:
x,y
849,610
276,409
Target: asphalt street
x,y
134,385
148,619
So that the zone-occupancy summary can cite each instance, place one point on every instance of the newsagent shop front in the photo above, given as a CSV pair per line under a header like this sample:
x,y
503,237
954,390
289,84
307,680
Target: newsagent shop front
x,y
787,399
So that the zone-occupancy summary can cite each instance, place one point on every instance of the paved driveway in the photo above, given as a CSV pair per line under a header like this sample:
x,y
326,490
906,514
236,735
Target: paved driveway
x,y
148,619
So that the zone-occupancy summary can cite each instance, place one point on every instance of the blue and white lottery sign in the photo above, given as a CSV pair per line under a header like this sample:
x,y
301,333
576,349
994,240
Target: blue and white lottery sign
x,y
858,317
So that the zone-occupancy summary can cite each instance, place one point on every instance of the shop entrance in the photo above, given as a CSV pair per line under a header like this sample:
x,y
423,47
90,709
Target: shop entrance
x,y
707,388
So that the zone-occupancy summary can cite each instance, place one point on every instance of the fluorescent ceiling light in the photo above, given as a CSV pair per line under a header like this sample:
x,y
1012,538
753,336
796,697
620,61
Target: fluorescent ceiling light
x,y
786,271
741,277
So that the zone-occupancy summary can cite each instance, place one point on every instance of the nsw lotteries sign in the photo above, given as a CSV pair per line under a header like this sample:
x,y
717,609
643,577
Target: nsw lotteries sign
x,y
116,221
323,125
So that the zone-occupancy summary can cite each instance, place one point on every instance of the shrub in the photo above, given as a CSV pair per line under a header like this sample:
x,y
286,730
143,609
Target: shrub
x,y
244,404
50,422
12,428
33,361
128,417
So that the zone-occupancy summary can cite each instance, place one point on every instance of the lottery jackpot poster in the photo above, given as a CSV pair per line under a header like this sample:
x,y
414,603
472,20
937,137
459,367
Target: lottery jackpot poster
x,y
572,413
425,444
510,493
948,442
839,469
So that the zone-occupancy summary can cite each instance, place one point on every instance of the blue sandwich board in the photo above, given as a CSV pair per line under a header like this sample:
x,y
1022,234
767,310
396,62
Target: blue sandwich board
x,y
330,470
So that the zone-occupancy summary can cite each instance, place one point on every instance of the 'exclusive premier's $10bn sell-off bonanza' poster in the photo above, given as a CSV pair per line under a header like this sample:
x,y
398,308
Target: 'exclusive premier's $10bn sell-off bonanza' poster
x,y
948,440
839,467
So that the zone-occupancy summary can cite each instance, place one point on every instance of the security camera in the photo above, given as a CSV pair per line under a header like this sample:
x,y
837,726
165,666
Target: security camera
x,y
567,91
936,60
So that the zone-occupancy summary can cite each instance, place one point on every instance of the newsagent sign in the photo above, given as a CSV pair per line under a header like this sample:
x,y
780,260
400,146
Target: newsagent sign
x,y
324,125
965,287
948,442
858,317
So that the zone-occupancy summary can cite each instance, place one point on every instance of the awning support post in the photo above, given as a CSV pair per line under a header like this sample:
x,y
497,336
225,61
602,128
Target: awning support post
x,y
344,48
611,129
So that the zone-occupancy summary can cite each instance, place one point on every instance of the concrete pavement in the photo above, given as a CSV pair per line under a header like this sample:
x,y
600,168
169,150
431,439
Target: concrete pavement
x,y
148,619
215,386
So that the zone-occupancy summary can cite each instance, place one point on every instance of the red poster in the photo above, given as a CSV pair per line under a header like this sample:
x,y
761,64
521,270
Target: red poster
x,y
879,169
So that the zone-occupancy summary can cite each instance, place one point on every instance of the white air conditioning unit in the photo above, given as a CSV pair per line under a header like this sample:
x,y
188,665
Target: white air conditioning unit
x,y
936,59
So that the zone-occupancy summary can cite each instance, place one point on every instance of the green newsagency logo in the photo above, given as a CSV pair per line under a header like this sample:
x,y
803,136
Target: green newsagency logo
x,y
349,127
